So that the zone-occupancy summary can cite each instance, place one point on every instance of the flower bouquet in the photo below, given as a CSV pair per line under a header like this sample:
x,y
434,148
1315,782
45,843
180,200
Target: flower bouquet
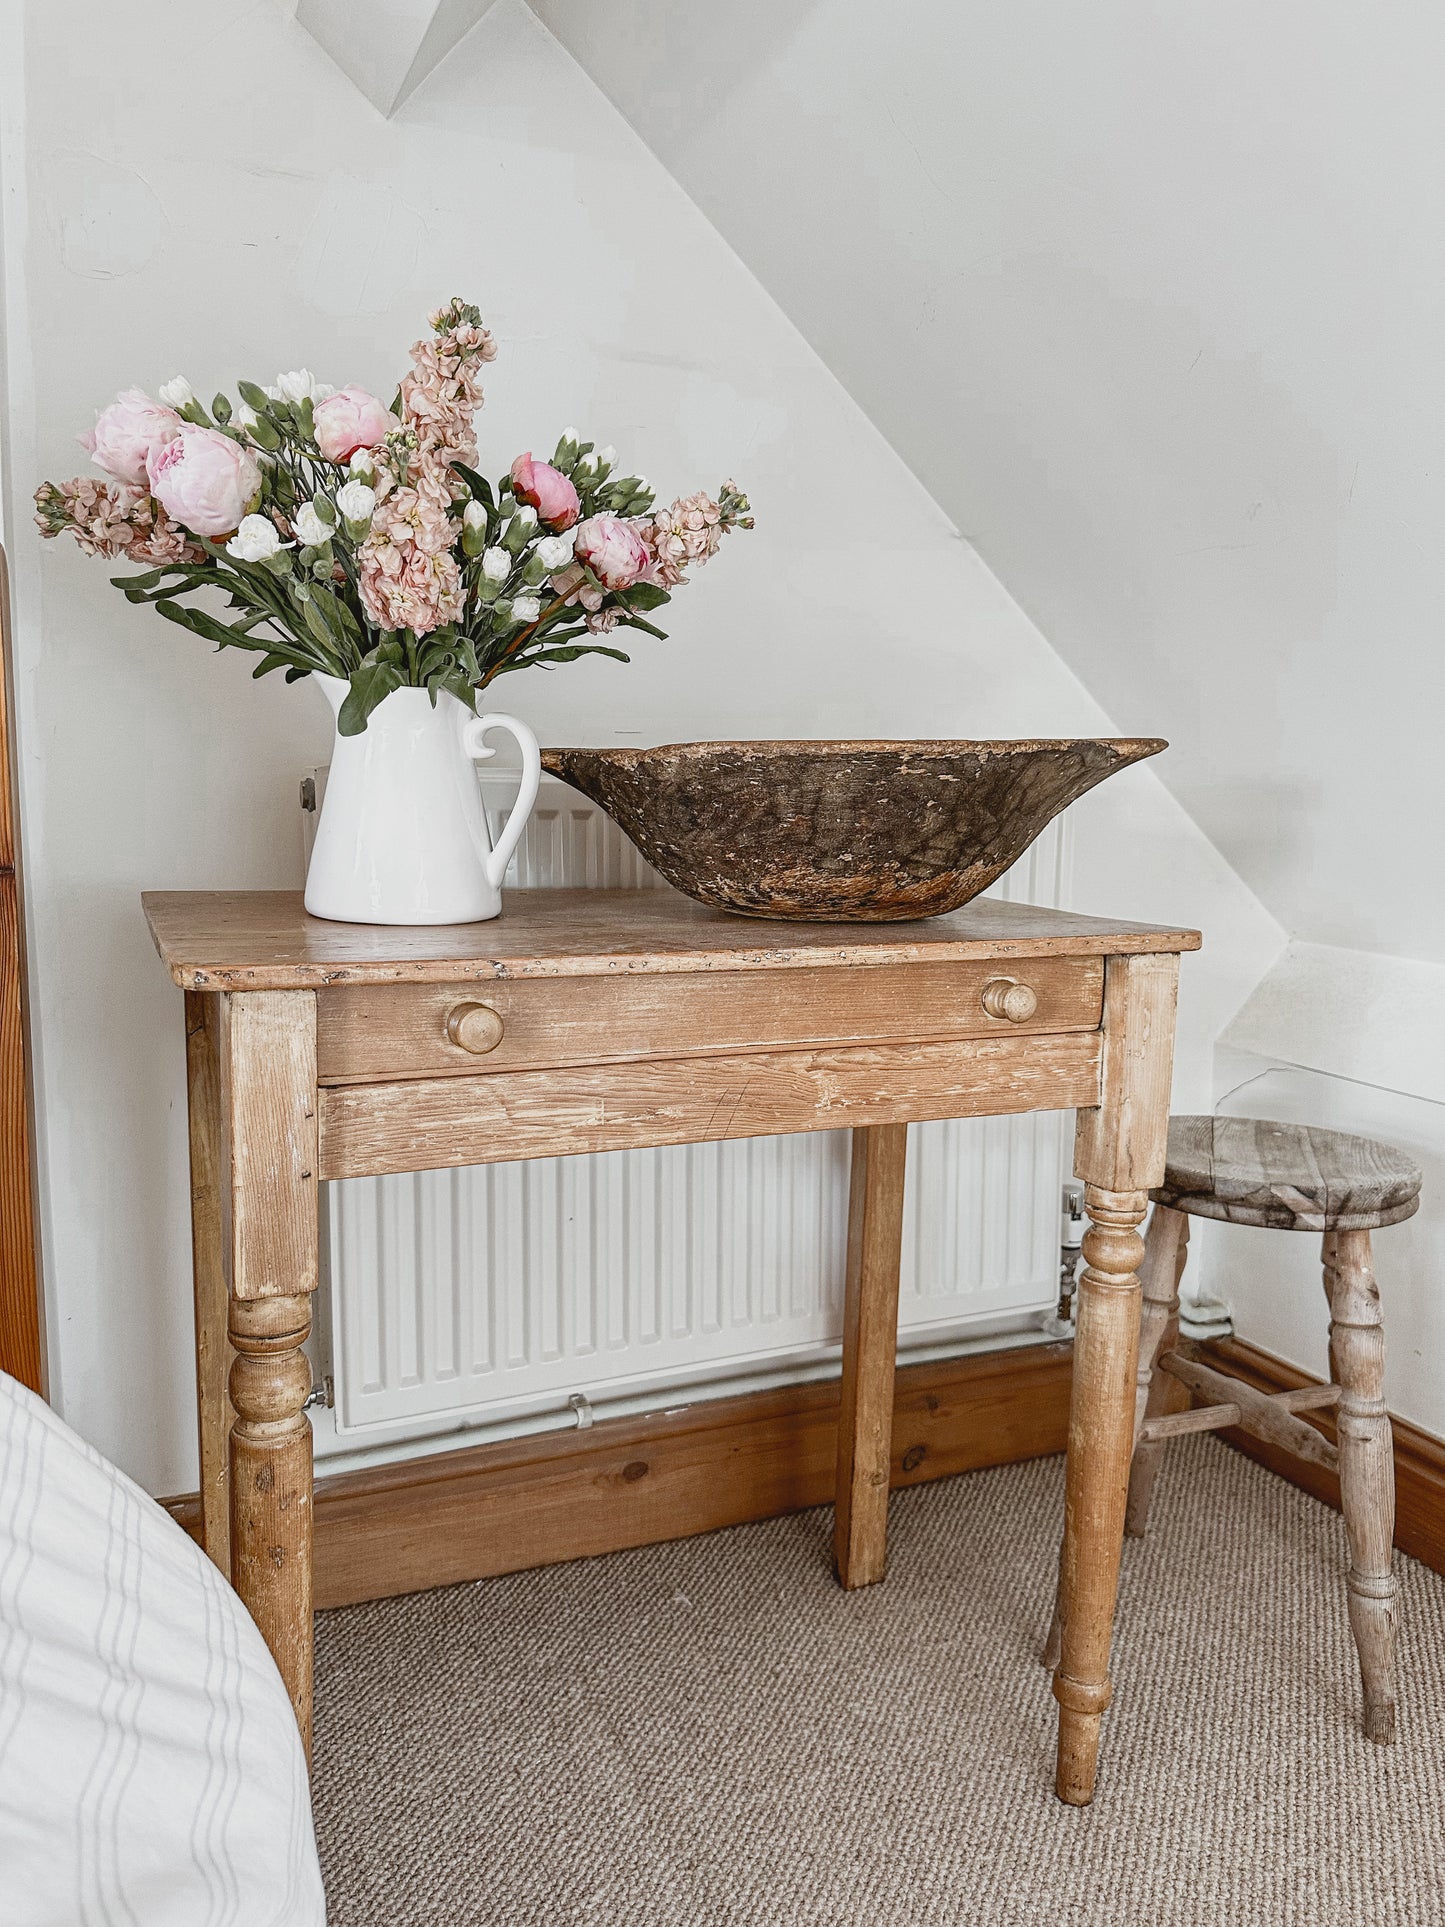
x,y
358,543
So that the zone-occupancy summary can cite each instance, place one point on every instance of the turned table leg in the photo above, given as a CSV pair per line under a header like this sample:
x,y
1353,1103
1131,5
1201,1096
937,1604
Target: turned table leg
x,y
269,1204
870,1353
1101,1444
208,1257
1119,1153
1367,1468
1159,1274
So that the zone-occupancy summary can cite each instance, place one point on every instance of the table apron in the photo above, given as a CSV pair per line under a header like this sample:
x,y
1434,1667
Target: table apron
x,y
368,1130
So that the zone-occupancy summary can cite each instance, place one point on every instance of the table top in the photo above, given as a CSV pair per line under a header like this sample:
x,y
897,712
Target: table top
x,y
264,940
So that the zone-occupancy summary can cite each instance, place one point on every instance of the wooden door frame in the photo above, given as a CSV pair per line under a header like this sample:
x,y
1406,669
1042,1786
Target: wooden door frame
x,y
22,1348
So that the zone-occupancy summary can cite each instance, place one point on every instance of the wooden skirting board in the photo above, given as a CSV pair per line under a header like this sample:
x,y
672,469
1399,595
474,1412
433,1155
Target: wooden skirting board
x,y
489,1509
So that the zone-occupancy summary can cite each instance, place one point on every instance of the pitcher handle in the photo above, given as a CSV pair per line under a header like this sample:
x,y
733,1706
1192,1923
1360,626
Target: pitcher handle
x,y
472,734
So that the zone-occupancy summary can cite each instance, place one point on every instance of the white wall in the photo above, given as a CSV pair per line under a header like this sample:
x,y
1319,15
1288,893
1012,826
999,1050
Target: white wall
x,y
196,187
1149,297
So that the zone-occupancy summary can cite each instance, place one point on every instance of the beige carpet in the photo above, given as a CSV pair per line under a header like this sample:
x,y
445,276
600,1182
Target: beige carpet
x,y
709,1733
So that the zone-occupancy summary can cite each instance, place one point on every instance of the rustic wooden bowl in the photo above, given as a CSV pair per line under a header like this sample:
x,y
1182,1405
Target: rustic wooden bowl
x,y
839,832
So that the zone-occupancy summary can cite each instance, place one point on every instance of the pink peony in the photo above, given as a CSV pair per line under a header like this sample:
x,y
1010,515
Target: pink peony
x,y
613,550
548,491
348,420
128,433
204,481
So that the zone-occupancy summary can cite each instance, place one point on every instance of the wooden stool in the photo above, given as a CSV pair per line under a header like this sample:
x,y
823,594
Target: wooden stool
x,y
1287,1177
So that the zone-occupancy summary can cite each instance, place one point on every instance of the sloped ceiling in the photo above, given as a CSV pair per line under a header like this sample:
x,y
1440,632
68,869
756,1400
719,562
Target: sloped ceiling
x,y
388,47
1151,299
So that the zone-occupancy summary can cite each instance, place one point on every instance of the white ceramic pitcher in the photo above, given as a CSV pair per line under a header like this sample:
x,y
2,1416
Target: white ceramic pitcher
x,y
403,833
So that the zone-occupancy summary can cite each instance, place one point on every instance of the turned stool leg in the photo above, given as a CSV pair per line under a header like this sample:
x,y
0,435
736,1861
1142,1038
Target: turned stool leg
x,y
1367,1468
1165,1250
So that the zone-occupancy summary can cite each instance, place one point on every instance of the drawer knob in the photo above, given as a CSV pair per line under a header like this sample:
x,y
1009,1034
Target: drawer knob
x,y
475,1027
1014,1002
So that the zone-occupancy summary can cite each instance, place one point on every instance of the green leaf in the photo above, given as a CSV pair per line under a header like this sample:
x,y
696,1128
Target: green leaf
x,y
200,624
636,622
370,685
479,485
194,571
264,435
645,595
570,654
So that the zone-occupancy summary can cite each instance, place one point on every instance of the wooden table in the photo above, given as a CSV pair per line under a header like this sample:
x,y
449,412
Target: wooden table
x,y
602,1020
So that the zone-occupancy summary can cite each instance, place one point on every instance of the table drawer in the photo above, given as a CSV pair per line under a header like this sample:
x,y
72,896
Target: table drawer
x,y
367,1033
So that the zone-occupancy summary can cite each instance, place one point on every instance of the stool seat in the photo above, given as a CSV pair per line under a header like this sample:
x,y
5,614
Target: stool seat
x,y
1289,1177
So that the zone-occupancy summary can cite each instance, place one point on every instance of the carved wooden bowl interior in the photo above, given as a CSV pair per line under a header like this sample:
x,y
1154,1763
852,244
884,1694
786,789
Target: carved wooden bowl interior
x,y
839,832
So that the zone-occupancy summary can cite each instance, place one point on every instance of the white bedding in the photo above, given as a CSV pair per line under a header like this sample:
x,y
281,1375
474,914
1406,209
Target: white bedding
x,y
151,1773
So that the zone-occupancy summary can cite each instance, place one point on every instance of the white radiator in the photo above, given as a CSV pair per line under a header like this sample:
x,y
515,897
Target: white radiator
x,y
499,1292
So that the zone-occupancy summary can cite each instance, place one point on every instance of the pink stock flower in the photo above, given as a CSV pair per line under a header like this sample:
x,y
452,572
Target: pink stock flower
x,y
128,433
110,519
613,550
548,491
405,587
205,481
348,420
689,532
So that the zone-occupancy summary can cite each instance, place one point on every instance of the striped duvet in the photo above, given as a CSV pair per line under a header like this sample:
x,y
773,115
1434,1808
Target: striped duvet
x,y
151,1774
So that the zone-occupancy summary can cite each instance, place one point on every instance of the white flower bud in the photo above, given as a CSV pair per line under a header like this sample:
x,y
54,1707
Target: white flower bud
x,y
496,565
244,417
526,519
176,392
607,456
311,531
474,516
555,551
299,385
362,466
570,435
525,608
356,502
322,390
256,540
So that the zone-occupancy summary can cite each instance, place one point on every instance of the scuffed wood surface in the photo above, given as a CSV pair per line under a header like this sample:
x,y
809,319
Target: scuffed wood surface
x,y
264,940
268,1142
1289,1177
870,1355
1119,1144
860,832
426,1124
20,1346
210,1272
